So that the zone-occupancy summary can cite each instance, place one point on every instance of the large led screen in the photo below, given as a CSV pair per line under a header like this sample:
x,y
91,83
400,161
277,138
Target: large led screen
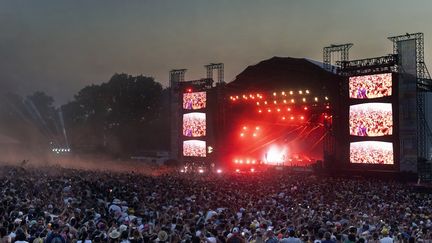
x,y
194,148
371,152
194,124
371,119
370,86
194,101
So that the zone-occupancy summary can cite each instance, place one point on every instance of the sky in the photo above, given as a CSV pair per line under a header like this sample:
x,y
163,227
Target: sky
x,y
60,46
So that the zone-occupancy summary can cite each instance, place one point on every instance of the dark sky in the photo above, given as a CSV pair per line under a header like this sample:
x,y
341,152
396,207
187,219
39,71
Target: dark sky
x,y
61,46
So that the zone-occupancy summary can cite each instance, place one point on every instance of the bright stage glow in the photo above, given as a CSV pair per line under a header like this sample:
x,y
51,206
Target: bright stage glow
x,y
201,171
371,152
252,170
370,86
276,155
218,171
237,170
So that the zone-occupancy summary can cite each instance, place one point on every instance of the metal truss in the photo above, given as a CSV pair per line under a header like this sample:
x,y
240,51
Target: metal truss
x,y
342,49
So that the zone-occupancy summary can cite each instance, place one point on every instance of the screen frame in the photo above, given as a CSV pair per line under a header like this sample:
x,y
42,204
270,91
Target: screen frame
x,y
192,110
393,151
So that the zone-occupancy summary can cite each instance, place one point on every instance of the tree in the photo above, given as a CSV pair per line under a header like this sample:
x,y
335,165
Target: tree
x,y
121,116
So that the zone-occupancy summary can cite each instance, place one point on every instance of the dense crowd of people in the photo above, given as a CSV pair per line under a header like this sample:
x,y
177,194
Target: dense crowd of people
x,y
371,152
195,148
367,121
194,101
55,205
194,124
370,86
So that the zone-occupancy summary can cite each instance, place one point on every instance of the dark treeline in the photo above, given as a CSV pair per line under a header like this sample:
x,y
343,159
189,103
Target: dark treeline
x,y
124,116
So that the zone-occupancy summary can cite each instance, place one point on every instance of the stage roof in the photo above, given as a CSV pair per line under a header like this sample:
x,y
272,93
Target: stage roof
x,y
279,73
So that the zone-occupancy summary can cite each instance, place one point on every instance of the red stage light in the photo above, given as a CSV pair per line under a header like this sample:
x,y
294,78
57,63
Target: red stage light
x,y
284,101
278,109
302,117
253,161
241,134
237,170
274,102
269,110
305,108
254,134
252,170
189,90
292,101
283,93
257,128
274,94
292,118
236,161
259,111
327,107
241,161
265,102
258,103
283,118
288,109
247,161
244,127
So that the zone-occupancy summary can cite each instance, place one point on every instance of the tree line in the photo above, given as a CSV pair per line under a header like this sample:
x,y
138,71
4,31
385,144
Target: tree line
x,y
124,116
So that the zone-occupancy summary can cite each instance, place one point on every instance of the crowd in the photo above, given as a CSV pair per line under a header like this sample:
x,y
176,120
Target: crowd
x,y
194,101
194,148
370,122
55,205
370,86
364,153
194,124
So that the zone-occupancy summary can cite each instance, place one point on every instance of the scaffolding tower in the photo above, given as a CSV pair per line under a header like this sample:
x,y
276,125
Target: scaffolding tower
x,y
341,49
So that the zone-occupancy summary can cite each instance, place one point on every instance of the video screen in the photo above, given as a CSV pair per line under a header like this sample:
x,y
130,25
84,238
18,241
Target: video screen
x,y
194,124
194,148
370,86
194,101
371,152
371,119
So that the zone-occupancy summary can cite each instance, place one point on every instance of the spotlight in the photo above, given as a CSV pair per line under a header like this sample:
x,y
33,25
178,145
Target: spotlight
x,y
278,109
316,99
241,161
326,98
257,128
201,171
292,100
258,103
305,108
302,117
253,161
265,102
283,93
274,93
274,102
291,92
307,91
304,99
254,134
247,161
244,127
259,111
292,118
237,170
269,110
219,171
241,134
252,170
283,118
300,92
288,109
284,101
182,171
